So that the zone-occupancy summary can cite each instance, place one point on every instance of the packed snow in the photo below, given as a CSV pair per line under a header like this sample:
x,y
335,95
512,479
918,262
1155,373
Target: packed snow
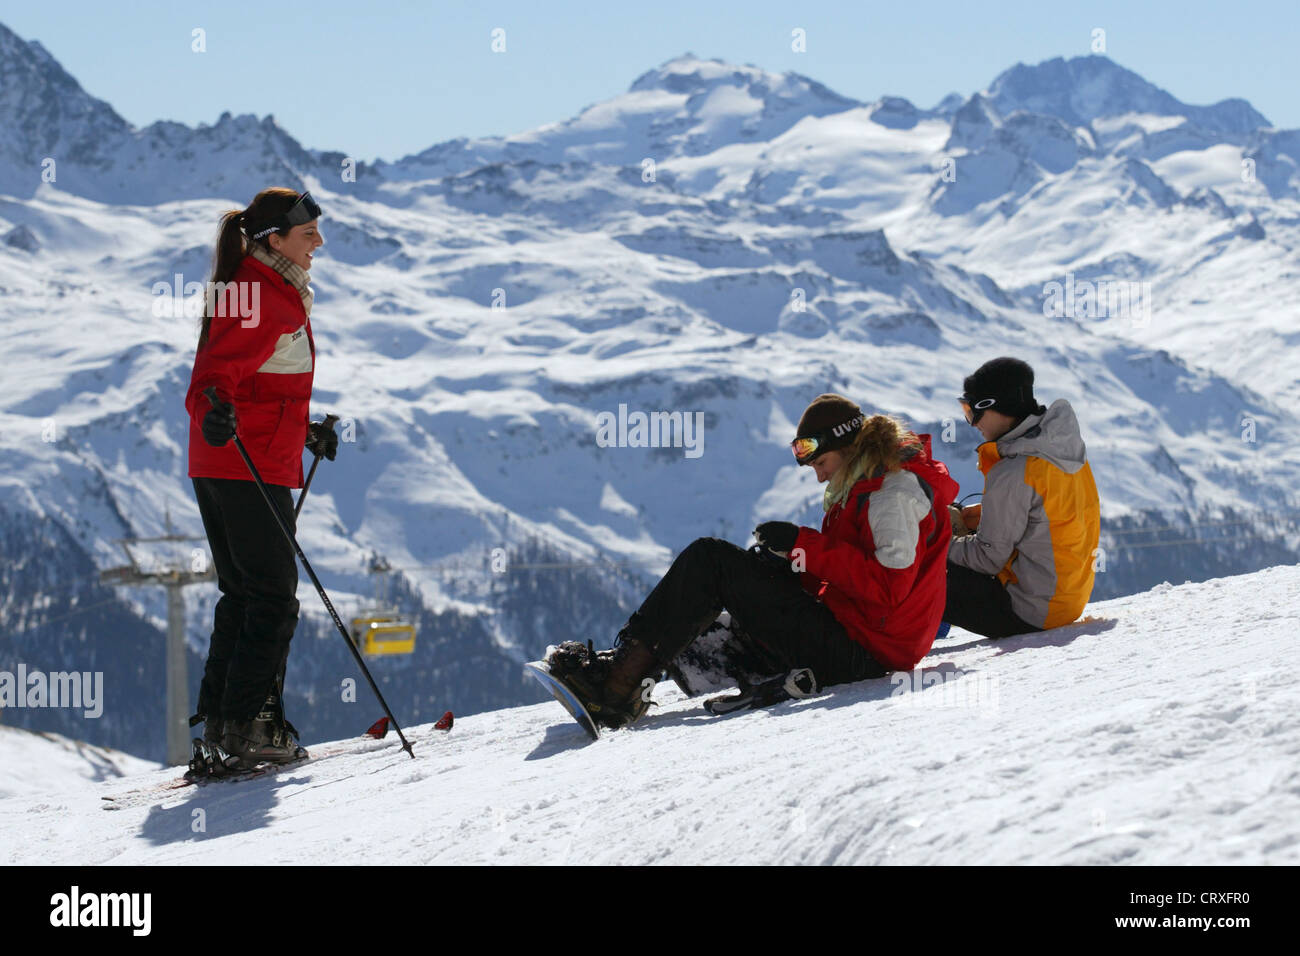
x,y
34,763
1159,729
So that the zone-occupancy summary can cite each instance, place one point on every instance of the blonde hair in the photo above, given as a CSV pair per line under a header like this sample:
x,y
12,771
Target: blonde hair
x,y
880,446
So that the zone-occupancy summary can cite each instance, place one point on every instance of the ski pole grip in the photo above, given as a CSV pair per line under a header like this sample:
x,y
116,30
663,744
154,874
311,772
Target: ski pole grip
x,y
330,420
211,394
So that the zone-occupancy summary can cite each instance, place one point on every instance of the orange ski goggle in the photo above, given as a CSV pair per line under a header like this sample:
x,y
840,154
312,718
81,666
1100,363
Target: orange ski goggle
x,y
806,449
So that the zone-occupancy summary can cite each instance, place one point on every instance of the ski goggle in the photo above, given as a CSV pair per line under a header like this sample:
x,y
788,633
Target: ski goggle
x,y
806,449
975,410
304,210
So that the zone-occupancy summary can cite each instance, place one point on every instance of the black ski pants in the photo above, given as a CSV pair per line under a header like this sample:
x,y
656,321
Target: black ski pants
x,y
255,617
981,604
766,603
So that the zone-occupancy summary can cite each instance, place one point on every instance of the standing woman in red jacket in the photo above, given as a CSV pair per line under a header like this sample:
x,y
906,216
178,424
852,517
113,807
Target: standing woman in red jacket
x,y
861,597
256,349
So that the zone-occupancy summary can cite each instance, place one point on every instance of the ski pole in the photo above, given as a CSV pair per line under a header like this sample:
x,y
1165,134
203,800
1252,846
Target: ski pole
x,y
297,510
211,393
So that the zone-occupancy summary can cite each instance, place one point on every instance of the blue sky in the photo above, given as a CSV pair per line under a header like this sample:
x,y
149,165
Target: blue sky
x,y
387,79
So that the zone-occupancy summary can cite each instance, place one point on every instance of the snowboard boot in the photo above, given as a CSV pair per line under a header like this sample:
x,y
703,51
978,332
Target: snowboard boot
x,y
795,685
267,738
613,685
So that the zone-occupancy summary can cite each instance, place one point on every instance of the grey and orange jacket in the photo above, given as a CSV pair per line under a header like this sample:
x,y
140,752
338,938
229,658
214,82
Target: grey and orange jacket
x,y
1040,518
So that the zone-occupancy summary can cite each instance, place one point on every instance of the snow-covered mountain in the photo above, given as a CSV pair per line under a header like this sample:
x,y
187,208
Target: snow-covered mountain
x,y
1139,736
721,243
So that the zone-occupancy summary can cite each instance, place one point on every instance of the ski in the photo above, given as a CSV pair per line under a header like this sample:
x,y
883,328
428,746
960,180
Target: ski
x,y
150,794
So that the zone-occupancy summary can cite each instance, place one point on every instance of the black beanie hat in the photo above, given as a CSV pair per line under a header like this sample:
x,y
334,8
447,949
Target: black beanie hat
x,y
823,415
1008,381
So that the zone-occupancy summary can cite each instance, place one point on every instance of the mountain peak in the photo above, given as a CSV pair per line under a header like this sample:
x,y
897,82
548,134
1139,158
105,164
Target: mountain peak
x,y
694,75
688,72
43,109
1084,88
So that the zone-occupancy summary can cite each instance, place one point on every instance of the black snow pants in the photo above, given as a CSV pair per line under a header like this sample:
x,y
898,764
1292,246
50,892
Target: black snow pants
x,y
765,601
255,617
981,604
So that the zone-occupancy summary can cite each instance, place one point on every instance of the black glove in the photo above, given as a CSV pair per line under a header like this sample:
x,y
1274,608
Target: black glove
x,y
322,440
218,424
777,536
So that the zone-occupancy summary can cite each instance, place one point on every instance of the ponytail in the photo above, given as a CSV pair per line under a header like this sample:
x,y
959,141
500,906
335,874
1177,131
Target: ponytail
x,y
881,444
232,246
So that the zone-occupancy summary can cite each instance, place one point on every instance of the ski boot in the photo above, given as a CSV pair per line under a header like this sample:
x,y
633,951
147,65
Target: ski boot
x,y
613,685
795,685
267,738
211,728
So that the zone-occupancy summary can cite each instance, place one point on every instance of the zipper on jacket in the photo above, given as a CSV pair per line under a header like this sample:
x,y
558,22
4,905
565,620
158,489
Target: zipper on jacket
x,y
279,423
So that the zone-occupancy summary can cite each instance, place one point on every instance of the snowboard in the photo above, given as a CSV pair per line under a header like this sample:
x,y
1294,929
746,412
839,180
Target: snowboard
x,y
721,658
541,671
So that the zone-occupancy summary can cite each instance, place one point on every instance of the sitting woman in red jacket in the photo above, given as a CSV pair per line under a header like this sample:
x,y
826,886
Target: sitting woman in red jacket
x,y
256,350
861,597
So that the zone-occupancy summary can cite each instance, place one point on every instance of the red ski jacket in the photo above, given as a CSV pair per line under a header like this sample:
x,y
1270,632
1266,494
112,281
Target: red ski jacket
x,y
880,561
264,364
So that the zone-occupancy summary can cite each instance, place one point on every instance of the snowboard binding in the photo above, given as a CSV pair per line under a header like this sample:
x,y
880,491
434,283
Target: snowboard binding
x,y
795,685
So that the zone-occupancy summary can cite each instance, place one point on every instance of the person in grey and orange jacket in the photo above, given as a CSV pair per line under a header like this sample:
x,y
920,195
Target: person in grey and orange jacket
x,y
1023,559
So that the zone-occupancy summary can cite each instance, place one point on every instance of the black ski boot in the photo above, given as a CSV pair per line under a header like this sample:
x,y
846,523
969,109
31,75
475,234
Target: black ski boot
x,y
211,728
613,685
267,738
795,685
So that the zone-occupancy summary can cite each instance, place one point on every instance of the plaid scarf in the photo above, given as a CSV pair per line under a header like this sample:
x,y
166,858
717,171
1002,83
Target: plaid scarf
x,y
295,273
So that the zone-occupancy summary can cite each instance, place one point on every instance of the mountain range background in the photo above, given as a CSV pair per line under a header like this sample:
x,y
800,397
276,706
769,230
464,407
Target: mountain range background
x,y
719,239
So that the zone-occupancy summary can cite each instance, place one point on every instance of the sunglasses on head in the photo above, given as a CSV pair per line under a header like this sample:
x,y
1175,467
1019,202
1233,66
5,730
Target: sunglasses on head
x,y
304,210
806,449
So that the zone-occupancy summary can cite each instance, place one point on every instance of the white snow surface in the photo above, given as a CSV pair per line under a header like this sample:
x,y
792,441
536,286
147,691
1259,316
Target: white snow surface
x,y
1160,729
34,763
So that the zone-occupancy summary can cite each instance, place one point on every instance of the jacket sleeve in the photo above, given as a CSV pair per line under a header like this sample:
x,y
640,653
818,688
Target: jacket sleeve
x,y
236,348
1004,516
885,575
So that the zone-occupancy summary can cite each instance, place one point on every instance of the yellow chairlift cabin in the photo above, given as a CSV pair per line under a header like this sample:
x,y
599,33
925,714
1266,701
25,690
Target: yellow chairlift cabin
x,y
380,630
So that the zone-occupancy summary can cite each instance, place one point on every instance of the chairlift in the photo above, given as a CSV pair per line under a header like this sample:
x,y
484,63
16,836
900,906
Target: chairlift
x,y
380,630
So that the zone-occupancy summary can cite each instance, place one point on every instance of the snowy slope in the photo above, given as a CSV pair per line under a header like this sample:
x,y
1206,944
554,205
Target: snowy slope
x,y
1160,730
43,763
